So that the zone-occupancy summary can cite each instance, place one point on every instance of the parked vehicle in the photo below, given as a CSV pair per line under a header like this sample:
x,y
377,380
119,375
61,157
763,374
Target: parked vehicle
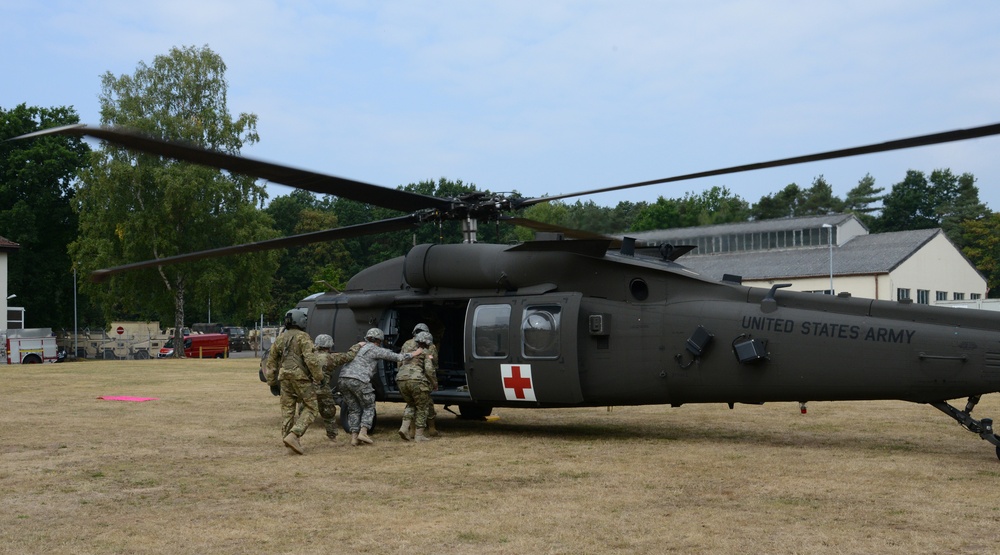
x,y
29,346
237,338
205,345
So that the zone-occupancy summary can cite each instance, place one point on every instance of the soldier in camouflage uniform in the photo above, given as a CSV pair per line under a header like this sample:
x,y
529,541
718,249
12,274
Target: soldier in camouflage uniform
x,y
416,379
326,394
431,413
299,372
355,384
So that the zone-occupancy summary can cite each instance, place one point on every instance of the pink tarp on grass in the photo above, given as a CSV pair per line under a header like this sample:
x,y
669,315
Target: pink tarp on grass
x,y
127,398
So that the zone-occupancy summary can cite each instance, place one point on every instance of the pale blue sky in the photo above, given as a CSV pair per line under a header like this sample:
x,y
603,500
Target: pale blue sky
x,y
554,96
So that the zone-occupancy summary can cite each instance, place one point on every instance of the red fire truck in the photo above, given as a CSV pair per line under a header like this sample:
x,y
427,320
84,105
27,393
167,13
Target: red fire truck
x,y
28,346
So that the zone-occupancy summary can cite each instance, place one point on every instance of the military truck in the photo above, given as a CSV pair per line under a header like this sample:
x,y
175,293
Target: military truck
x,y
123,340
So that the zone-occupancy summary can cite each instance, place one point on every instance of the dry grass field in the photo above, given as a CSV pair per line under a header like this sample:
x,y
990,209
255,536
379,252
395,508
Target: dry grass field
x,y
202,470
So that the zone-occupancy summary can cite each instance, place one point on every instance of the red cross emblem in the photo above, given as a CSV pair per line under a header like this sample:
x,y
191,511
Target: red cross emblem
x,y
517,385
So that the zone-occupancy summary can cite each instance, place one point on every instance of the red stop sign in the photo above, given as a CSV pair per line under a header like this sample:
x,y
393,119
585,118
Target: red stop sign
x,y
120,330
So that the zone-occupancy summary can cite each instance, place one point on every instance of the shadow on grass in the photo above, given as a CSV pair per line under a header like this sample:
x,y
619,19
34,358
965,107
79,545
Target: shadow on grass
x,y
681,429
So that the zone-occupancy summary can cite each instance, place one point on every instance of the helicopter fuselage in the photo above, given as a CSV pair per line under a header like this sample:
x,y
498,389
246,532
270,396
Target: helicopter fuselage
x,y
567,323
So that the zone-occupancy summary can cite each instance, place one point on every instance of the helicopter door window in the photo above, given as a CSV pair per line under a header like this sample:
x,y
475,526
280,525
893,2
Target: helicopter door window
x,y
492,331
540,332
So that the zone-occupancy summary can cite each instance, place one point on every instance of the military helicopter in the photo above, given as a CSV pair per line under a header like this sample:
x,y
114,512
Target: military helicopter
x,y
598,321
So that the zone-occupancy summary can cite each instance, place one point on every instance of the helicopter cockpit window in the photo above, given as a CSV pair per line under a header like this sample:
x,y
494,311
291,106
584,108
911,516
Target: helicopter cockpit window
x,y
492,331
540,331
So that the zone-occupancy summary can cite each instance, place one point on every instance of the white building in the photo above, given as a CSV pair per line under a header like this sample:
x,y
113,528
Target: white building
x,y
923,265
6,247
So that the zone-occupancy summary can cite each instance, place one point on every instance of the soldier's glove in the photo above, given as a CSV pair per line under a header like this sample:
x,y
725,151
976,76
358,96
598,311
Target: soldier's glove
x,y
276,390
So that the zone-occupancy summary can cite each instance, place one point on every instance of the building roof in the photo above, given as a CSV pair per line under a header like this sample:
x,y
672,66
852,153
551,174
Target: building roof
x,y
678,235
866,254
6,245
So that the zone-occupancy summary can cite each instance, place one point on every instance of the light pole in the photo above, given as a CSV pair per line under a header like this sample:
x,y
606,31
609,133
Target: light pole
x,y
829,234
76,332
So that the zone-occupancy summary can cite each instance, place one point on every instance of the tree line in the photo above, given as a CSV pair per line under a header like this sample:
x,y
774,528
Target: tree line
x,y
74,209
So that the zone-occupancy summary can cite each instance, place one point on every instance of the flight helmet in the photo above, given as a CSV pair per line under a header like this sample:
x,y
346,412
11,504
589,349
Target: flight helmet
x,y
296,317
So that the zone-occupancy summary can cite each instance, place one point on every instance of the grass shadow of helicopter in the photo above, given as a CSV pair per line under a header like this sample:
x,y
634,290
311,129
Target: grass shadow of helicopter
x,y
814,436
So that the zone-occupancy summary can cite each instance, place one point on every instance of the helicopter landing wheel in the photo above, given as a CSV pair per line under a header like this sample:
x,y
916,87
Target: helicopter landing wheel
x,y
474,411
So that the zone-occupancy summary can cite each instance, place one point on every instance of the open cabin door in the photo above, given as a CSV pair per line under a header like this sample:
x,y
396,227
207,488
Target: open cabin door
x,y
523,350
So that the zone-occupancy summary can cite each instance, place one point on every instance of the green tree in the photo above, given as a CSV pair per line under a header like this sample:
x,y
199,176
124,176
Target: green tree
x,y
963,204
819,200
861,199
36,211
981,238
715,205
783,204
136,207
310,268
944,200
909,205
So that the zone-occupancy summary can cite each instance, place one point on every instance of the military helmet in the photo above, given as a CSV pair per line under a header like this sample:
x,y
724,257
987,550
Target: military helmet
x,y
419,328
296,317
374,334
424,338
324,341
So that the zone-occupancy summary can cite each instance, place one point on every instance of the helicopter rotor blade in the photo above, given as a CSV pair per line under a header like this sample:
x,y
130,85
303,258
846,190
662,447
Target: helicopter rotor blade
x,y
324,184
566,231
346,232
899,144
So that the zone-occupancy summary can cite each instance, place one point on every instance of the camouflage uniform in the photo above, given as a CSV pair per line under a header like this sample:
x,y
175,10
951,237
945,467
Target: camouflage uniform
x,y
432,351
299,372
326,394
416,379
355,384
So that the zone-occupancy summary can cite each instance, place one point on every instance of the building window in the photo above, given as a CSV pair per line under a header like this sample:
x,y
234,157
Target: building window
x,y
902,294
975,296
958,296
923,296
941,296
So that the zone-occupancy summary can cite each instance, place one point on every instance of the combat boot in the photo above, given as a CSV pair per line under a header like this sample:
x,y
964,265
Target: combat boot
x,y
363,436
404,429
413,428
354,439
432,427
419,436
292,442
